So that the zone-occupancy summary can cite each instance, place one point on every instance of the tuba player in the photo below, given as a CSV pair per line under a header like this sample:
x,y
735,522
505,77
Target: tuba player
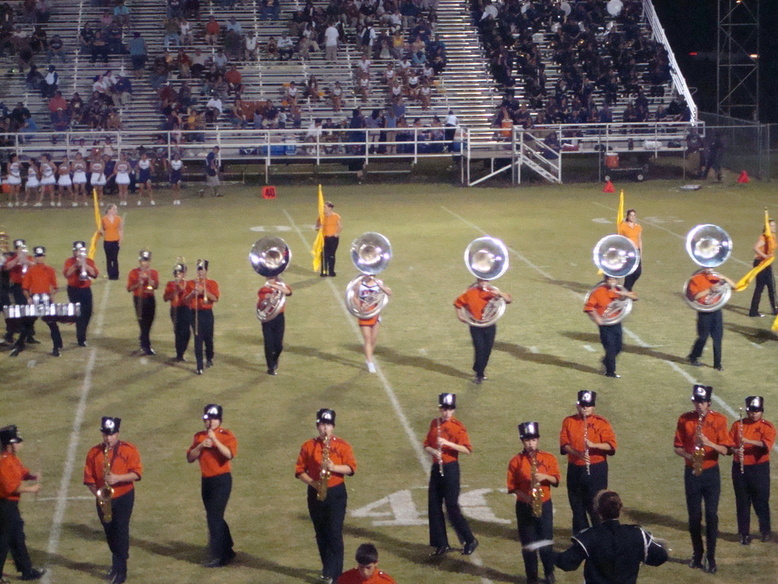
x,y
610,334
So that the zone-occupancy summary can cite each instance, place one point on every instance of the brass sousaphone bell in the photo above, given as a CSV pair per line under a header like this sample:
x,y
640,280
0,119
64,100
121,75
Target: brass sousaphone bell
x,y
370,253
709,246
269,257
487,259
617,257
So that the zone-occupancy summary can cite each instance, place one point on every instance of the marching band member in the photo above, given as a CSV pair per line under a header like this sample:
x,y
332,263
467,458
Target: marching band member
x,y
112,230
322,464
368,287
446,439
40,281
180,313
16,265
79,271
115,464
700,437
633,231
753,439
588,440
332,226
273,329
13,474
474,300
531,474
142,281
214,448
709,324
610,335
367,571
201,293
764,248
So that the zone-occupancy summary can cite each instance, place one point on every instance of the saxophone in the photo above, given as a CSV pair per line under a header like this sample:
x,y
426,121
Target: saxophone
x,y
586,448
535,491
698,455
105,493
439,455
324,473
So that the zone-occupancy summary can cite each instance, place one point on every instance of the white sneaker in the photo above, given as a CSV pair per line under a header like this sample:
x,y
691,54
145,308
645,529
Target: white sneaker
x,y
24,204
59,204
370,367
152,203
138,203
38,204
176,202
10,204
86,204
74,204
52,203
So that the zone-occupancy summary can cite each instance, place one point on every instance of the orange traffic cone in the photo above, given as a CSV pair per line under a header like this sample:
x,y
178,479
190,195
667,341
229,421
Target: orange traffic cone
x,y
268,192
743,178
609,188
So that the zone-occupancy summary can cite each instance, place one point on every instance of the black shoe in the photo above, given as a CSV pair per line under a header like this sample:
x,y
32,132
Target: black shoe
x,y
179,360
15,352
215,563
696,564
34,574
478,379
209,363
550,578
33,341
470,547
120,578
149,351
199,372
271,371
441,551
710,566
745,540
693,362
333,274
767,537
55,352
718,368
323,275
111,575
228,557
756,315
82,344
613,375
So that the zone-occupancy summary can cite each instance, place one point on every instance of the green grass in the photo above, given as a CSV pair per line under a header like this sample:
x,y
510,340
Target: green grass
x,y
546,351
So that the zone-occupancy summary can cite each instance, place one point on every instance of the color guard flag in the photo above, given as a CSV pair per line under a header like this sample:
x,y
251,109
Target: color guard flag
x,y
752,274
318,244
620,212
98,224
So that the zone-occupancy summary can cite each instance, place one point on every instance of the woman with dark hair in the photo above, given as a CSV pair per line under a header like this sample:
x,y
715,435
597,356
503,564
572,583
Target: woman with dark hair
x,y
630,229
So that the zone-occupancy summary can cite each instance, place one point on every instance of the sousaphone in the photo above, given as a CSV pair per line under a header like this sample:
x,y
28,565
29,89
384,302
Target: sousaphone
x,y
370,253
269,257
709,246
487,259
617,257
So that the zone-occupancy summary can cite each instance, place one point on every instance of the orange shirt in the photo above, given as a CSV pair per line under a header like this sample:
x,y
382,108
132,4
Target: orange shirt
x,y
598,429
15,274
213,462
520,472
309,459
12,473
630,232
767,245
175,293
474,299
124,458
600,298
329,225
133,278
700,282
452,430
264,292
714,427
354,577
761,430
74,280
111,229
200,302
40,279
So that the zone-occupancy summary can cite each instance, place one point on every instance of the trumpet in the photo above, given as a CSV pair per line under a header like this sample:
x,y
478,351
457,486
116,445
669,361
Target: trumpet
x,y
81,254
23,251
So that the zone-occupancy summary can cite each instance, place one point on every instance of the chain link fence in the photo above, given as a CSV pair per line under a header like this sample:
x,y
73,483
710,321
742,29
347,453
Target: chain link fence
x,y
748,146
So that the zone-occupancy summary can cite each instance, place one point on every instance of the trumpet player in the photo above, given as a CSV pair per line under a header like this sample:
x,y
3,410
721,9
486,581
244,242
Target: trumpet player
x,y
322,464
531,474
273,329
587,439
610,335
700,437
79,271
753,438
116,464
709,324
142,282
201,293
180,313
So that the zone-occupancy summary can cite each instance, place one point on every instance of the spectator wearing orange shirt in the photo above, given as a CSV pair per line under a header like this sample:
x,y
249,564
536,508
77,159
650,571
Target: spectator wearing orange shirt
x,y
332,226
631,229
234,81
702,285
39,285
214,448
610,334
212,30
367,571
142,281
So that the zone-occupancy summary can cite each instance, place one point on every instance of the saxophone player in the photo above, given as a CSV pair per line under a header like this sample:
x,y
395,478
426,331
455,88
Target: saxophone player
x,y
142,282
705,431
531,474
117,464
327,455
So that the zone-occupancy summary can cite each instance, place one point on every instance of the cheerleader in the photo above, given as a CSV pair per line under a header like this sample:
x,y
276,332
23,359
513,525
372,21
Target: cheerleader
x,y
336,97
413,85
176,166
64,182
368,288
122,173
32,187
14,180
144,178
79,180
48,180
97,179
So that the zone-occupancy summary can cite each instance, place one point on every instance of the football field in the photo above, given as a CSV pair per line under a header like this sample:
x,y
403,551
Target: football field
x,y
546,351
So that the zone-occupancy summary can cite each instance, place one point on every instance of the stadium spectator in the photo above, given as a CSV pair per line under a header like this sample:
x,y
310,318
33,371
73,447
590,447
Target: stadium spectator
x,y
212,30
250,51
285,47
331,36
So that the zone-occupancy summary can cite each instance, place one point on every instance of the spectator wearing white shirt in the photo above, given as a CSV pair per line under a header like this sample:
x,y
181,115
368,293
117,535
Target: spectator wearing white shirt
x,y
285,47
331,36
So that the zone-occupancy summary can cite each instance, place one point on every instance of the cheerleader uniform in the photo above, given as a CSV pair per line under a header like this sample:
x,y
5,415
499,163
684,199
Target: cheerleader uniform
x,y
122,173
14,174
79,173
47,174
64,175
32,178
366,293
98,176
144,172
175,171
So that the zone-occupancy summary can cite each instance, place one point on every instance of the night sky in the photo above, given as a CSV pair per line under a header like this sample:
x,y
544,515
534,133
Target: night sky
x,y
691,26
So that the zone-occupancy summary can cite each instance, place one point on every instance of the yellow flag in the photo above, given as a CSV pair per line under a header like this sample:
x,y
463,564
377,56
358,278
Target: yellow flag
x,y
620,212
318,243
96,236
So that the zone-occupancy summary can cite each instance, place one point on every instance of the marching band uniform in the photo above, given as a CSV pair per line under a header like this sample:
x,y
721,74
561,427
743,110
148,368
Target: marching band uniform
x,y
214,448
367,571
180,313
12,476
142,281
273,330
112,232
328,515
752,485
80,291
519,480
709,433
634,232
709,324
446,439
40,279
331,227
125,468
201,304
583,482
610,335
16,265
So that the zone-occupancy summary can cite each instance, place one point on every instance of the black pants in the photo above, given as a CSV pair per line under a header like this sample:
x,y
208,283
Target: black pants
x,y
327,517
630,280
216,494
12,537
84,297
709,324
202,325
328,255
117,532
483,341
752,487
706,487
532,529
27,331
145,310
182,321
273,335
610,337
112,259
15,325
763,278
445,490
581,489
